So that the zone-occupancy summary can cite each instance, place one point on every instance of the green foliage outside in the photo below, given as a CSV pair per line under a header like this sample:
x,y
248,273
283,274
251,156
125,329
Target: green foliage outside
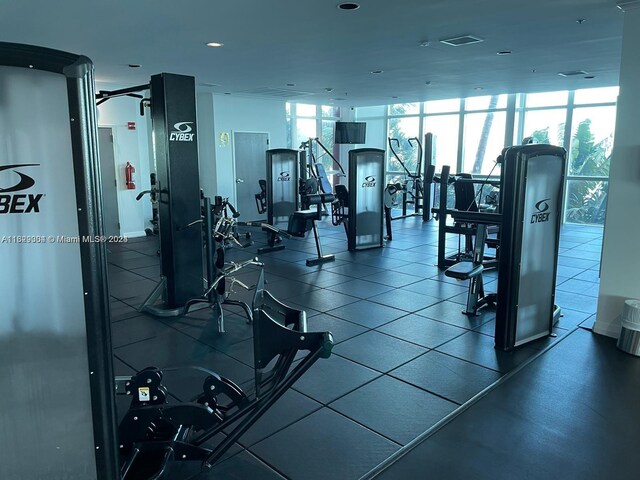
x,y
407,153
586,199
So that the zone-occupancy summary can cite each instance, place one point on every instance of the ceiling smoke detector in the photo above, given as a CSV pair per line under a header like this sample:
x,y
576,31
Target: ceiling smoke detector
x,y
463,40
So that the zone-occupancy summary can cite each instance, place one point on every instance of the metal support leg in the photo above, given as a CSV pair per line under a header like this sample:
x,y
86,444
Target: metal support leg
x,y
321,258
160,291
244,306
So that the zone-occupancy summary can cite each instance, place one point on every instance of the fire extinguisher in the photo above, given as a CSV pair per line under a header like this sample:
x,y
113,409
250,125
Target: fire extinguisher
x,y
129,170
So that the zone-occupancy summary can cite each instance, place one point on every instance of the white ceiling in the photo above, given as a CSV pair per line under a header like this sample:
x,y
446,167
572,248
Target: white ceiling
x,y
313,44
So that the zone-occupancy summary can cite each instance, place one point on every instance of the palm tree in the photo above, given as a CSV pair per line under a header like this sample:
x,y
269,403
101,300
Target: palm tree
x,y
484,137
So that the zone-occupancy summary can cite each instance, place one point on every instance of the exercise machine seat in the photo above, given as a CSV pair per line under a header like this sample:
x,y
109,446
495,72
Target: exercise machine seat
x,y
319,198
464,270
300,222
310,214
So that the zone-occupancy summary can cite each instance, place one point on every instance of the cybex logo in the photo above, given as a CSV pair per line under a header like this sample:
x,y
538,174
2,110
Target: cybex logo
x,y
18,203
542,215
182,132
369,181
284,177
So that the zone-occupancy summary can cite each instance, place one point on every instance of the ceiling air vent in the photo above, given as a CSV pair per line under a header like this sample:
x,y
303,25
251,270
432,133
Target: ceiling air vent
x,y
274,92
459,41
573,73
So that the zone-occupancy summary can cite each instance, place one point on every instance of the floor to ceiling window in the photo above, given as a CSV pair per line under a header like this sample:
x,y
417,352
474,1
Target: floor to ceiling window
x,y
470,133
312,121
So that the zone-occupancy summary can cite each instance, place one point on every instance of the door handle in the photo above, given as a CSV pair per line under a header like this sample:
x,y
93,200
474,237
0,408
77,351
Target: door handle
x,y
239,180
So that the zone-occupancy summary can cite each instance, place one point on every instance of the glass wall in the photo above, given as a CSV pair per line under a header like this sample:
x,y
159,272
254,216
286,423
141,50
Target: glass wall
x,y
312,121
583,121
470,133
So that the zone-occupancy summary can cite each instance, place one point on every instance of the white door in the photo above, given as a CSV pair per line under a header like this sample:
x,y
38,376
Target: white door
x,y
110,219
250,162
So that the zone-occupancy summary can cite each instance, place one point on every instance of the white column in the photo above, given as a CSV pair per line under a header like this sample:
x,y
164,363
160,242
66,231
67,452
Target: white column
x,y
620,274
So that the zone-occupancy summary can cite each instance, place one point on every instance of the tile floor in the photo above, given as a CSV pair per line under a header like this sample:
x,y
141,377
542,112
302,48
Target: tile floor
x,y
405,355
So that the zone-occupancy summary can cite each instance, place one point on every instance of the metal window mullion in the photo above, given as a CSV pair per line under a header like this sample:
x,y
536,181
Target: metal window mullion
x,y
510,121
589,105
567,147
384,142
521,109
421,131
460,136
578,178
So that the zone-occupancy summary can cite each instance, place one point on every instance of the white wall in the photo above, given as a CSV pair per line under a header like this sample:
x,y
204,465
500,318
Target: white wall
x,y
243,114
216,114
129,146
620,275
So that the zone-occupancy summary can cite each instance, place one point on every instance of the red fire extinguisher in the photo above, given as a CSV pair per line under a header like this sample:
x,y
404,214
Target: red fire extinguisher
x,y
129,170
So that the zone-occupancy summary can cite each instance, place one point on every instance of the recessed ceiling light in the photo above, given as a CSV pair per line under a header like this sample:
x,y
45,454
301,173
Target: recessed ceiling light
x,y
134,65
504,52
478,88
424,43
348,6
291,84
329,89
227,93
376,72
395,96
589,77
580,21
428,82
214,44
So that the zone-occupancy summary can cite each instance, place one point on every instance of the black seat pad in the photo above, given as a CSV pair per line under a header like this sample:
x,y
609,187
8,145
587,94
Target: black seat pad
x,y
463,271
306,214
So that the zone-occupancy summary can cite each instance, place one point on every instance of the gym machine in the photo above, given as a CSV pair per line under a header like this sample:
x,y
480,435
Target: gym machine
x,y
156,436
57,408
311,167
410,187
417,186
282,200
466,202
364,199
532,190
530,212
186,219
174,129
